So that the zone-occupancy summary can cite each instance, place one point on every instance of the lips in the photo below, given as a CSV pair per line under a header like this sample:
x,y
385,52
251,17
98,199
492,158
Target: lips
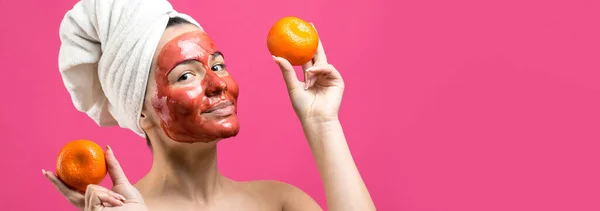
x,y
221,106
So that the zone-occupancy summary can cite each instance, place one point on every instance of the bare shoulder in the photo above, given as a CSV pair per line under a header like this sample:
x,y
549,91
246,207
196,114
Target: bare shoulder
x,y
289,196
270,185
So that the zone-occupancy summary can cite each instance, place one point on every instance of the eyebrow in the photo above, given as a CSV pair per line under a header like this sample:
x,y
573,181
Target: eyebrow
x,y
184,62
217,54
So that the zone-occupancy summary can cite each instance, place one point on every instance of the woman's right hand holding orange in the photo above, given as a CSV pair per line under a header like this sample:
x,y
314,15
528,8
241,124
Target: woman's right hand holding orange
x,y
123,195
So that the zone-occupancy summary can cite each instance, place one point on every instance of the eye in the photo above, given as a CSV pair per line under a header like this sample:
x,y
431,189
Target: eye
x,y
185,77
218,67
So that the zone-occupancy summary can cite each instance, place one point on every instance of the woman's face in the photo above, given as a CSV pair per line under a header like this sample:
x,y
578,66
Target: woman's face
x,y
192,95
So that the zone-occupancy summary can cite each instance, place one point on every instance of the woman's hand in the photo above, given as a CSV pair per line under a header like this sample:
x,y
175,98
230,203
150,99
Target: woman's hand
x,y
317,102
318,98
123,195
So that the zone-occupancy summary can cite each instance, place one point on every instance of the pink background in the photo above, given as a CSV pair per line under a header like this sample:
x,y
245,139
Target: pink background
x,y
450,105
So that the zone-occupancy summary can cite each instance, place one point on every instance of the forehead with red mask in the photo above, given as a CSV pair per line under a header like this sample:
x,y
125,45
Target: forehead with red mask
x,y
197,102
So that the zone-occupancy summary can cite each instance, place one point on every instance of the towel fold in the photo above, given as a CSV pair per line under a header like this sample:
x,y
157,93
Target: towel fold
x,y
106,55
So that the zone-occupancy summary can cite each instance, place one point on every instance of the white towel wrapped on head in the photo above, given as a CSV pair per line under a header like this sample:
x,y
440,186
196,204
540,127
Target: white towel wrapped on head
x,y
106,55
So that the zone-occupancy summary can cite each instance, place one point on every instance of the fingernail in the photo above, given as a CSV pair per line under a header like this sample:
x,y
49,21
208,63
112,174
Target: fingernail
x,y
108,148
121,197
275,60
44,173
306,84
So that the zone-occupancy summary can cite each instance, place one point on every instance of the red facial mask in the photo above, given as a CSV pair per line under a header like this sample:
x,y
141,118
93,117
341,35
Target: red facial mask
x,y
203,109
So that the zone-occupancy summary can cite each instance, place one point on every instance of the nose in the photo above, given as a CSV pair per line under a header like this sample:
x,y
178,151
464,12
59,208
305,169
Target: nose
x,y
215,85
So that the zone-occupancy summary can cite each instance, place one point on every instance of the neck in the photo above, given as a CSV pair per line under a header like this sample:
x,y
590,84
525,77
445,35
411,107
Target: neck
x,y
188,170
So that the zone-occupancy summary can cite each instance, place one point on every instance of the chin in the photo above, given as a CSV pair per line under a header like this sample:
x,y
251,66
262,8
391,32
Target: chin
x,y
210,132
229,130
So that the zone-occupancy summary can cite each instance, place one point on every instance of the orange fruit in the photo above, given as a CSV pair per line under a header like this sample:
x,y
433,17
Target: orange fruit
x,y
81,163
293,39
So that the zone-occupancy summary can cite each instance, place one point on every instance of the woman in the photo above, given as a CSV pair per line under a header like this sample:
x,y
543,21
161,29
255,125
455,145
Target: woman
x,y
189,106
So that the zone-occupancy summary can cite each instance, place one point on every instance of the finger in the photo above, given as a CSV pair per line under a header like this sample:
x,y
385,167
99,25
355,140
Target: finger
x,y
106,198
73,196
102,189
325,75
327,69
312,82
320,57
307,65
98,196
313,77
114,168
307,80
92,199
289,75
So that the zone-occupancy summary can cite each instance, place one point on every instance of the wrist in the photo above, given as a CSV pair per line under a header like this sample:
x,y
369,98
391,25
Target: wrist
x,y
321,120
324,134
316,128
